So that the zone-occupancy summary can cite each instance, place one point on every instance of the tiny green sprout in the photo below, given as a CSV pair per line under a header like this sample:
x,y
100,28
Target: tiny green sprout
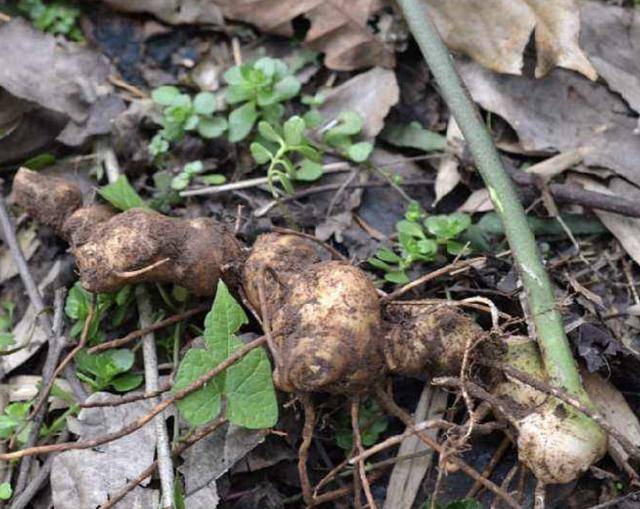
x,y
7,339
59,17
340,136
419,237
108,369
115,306
14,419
189,171
276,147
258,89
371,421
182,113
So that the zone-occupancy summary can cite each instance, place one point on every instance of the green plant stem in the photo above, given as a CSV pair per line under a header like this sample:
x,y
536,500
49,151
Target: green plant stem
x,y
556,353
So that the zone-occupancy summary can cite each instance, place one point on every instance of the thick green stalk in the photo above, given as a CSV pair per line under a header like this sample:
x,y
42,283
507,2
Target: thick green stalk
x,y
556,353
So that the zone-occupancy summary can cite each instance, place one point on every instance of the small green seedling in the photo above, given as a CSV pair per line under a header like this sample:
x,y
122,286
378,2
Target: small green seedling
x,y
6,491
259,89
372,423
58,17
246,386
340,136
313,118
189,171
108,369
277,147
181,113
121,194
14,419
78,304
7,340
419,237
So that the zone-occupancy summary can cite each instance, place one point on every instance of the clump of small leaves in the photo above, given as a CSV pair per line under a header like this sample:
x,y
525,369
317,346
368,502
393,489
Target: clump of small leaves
x,y
181,114
341,137
289,154
372,423
246,386
259,89
58,17
192,169
419,237
7,340
113,305
108,369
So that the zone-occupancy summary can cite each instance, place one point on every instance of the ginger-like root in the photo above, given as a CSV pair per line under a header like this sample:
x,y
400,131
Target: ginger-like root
x,y
139,245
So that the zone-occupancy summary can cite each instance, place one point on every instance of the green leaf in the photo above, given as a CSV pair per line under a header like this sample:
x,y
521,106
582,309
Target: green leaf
x,y
180,181
241,121
398,277
252,401
121,194
204,103
126,382
349,123
360,152
6,492
385,254
313,118
268,132
414,212
287,88
121,359
293,130
379,264
447,226
310,153
414,136
410,228
215,179
222,322
193,167
77,303
165,95
192,122
309,171
40,161
158,145
203,405
212,127
260,153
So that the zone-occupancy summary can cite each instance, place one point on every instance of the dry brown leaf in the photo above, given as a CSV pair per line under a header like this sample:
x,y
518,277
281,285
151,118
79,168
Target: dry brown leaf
x,y
371,94
625,229
496,32
448,176
478,201
339,28
561,112
175,12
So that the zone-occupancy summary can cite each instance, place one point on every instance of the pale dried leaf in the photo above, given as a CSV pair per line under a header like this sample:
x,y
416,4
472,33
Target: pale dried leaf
x,y
616,411
448,175
61,76
610,37
26,387
478,201
406,476
84,479
212,457
371,94
496,32
26,332
561,112
175,12
29,243
339,28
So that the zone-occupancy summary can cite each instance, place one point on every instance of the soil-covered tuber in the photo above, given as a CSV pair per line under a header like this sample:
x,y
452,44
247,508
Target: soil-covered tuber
x,y
135,246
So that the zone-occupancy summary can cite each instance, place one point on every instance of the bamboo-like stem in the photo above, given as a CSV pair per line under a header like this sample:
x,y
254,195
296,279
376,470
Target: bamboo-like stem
x,y
558,360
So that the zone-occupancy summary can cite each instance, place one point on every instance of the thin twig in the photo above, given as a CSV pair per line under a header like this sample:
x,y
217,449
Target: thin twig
x,y
462,264
151,328
387,402
303,451
128,398
355,425
138,423
488,470
48,379
68,358
150,359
